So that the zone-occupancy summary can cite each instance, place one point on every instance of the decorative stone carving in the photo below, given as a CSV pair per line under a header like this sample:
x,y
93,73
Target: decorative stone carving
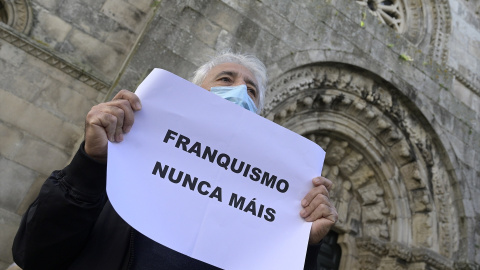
x,y
17,14
421,201
382,159
368,261
425,23
342,204
24,44
370,194
423,225
411,258
389,12
413,177
389,263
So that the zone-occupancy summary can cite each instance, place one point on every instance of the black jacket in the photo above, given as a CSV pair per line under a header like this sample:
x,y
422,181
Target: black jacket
x,y
72,225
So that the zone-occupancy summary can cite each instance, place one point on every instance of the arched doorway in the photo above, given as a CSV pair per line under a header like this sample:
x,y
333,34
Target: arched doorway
x,y
392,188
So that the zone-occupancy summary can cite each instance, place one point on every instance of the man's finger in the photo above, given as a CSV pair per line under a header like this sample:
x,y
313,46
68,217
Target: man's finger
x,y
131,97
321,211
106,121
320,180
319,200
313,193
120,116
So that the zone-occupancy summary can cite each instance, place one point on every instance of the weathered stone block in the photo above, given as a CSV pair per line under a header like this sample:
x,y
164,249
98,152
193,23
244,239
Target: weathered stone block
x,y
11,55
206,31
305,21
67,83
431,89
225,41
16,181
8,228
247,32
198,5
197,52
154,55
87,17
273,49
240,6
293,37
270,20
41,156
301,58
459,147
125,14
188,18
143,5
25,87
475,105
94,5
162,31
461,111
445,98
288,9
130,79
33,120
104,59
11,140
280,7
122,40
463,130
171,9
48,4
60,101
50,28
224,15
358,36
462,93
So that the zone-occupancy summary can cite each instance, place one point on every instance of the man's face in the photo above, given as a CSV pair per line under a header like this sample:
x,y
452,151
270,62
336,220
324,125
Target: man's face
x,y
232,74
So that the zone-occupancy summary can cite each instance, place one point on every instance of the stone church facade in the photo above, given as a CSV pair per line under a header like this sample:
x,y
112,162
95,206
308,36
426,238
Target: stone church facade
x,y
389,88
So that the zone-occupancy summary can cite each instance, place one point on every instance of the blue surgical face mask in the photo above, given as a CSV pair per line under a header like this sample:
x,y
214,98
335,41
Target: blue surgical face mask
x,y
236,94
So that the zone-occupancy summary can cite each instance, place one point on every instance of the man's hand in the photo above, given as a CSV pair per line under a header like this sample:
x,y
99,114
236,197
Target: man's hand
x,y
318,208
108,122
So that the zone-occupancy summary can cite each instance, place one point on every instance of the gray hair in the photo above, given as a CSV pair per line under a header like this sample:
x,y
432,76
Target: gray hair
x,y
252,63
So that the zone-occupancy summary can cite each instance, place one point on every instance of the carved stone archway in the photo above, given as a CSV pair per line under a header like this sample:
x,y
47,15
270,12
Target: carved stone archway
x,y
17,14
392,188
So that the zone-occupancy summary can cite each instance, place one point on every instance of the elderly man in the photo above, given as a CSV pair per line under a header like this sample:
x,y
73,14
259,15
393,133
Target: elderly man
x,y
72,225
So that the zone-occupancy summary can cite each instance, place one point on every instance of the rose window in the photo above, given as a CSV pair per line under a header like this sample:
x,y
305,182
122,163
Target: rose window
x,y
389,12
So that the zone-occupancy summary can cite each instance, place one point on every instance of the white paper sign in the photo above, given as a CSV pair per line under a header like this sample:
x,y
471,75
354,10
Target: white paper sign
x,y
211,179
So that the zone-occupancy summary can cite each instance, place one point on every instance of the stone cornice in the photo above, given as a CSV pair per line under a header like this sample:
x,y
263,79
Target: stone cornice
x,y
465,81
22,42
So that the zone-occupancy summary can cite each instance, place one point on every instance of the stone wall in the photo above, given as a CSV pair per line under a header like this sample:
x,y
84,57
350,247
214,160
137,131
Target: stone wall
x,y
41,121
395,102
57,60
